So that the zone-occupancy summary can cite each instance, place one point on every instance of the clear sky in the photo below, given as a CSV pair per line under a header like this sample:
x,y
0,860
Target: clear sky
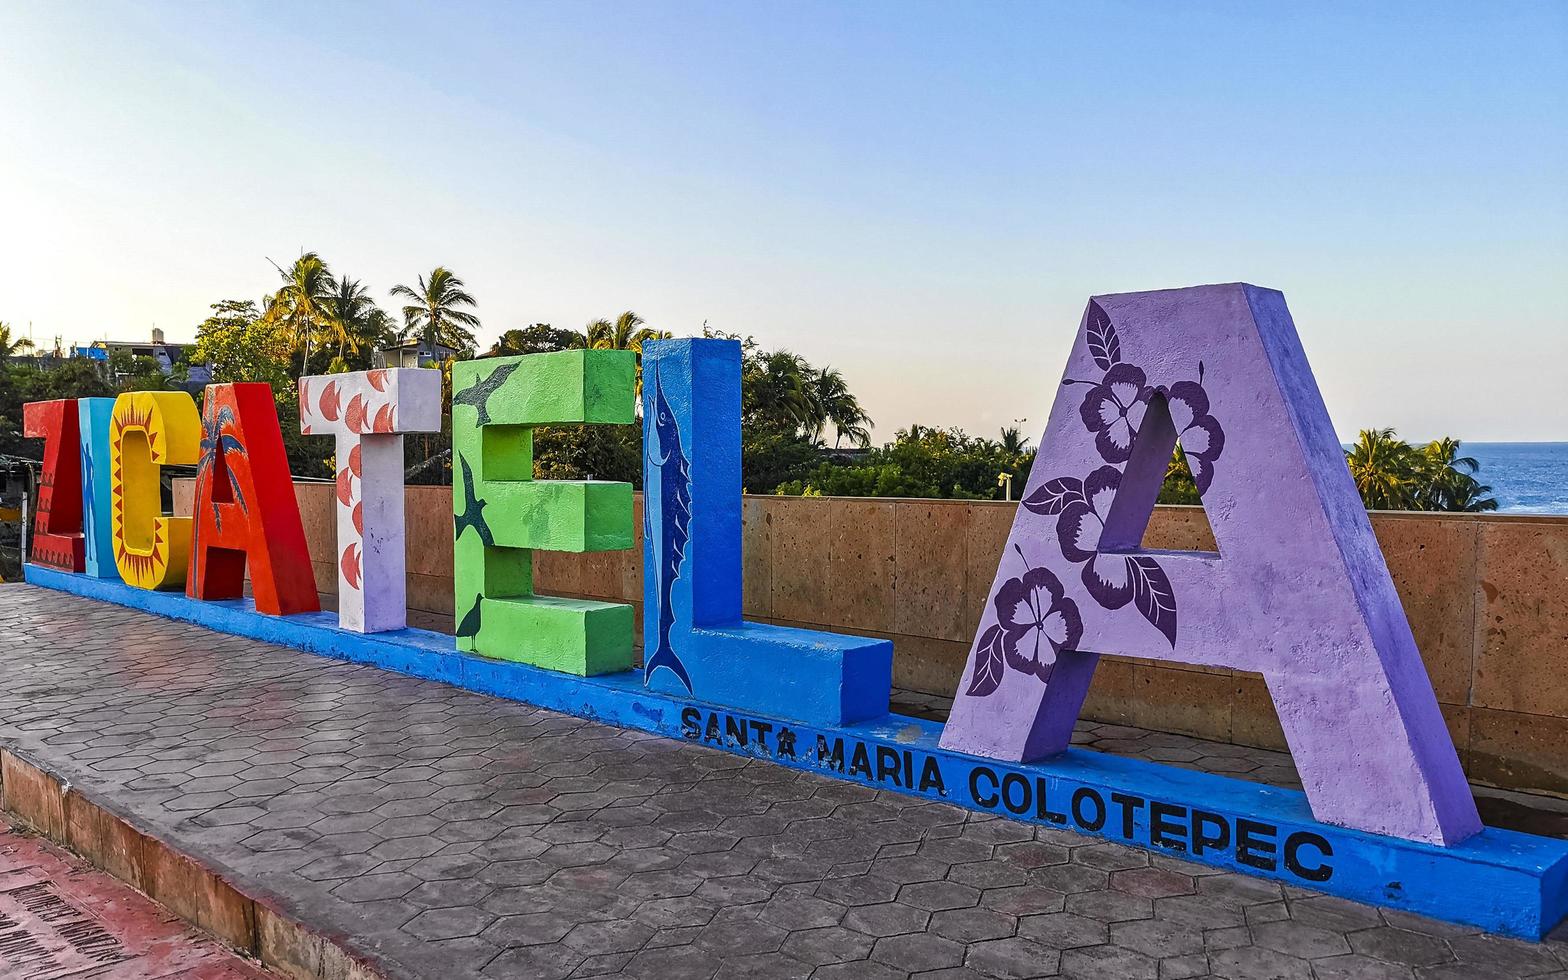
x,y
922,195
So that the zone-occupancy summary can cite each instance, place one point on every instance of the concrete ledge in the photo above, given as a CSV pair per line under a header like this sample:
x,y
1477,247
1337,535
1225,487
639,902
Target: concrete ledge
x,y
812,676
1499,880
198,894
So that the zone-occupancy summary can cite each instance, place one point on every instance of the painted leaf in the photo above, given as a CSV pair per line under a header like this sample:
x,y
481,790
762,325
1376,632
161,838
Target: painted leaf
x,y
989,664
1153,595
1052,496
377,379
383,422
1104,345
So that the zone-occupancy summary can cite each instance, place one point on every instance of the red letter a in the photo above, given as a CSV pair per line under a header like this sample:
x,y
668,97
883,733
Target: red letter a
x,y
245,507
57,530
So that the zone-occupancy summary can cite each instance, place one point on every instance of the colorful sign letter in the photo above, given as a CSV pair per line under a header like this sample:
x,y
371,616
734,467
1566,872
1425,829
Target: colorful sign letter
x,y
501,511
93,416
1298,592
694,639
147,430
57,524
367,412
245,511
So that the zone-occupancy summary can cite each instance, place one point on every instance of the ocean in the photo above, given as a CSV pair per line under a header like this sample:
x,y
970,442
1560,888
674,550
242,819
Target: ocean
x,y
1525,477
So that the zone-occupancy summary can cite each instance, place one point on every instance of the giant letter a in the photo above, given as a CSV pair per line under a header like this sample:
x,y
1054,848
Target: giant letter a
x,y
245,509
1298,591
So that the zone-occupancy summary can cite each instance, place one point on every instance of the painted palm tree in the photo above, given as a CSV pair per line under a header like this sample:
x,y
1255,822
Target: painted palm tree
x,y
439,310
303,306
216,445
1384,470
12,346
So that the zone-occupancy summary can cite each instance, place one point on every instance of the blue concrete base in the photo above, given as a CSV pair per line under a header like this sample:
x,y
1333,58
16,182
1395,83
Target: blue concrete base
x,y
800,675
1499,880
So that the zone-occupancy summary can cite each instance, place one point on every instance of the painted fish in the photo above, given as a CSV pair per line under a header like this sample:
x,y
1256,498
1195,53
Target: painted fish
x,y
673,486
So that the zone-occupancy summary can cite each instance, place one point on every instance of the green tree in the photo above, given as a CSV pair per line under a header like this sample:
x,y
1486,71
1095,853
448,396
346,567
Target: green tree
x,y
1448,479
12,346
242,345
1391,474
1383,468
356,324
536,338
1179,486
303,305
835,404
439,311
626,332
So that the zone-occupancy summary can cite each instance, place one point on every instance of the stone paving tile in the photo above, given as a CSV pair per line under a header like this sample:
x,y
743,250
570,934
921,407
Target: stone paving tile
x,y
453,835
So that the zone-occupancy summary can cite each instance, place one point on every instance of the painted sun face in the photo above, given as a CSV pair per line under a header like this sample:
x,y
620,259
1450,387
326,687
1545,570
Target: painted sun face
x,y
147,430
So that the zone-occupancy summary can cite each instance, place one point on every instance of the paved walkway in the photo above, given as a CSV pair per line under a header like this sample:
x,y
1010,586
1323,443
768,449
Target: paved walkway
x,y
62,920
454,835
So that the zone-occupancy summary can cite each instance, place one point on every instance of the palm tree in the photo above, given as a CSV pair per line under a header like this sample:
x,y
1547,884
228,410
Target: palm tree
x,y
355,320
626,332
1384,470
10,347
435,312
776,393
303,305
1013,441
1449,479
836,404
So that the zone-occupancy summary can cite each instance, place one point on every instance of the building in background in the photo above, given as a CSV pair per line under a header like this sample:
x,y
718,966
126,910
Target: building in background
x,y
411,353
163,353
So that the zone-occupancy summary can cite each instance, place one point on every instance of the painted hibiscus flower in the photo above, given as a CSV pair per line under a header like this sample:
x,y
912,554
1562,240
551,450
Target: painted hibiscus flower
x,y
1035,622
1114,409
1078,530
1038,621
1202,439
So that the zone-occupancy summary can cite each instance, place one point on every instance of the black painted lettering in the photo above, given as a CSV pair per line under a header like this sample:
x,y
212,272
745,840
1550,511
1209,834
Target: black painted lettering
x,y
931,778
1164,830
691,723
1255,844
889,769
1082,795
832,757
1130,806
1015,793
860,762
1216,840
988,797
760,730
1321,871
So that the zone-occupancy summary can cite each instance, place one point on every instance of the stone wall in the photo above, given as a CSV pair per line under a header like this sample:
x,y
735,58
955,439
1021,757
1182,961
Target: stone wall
x,y
1487,597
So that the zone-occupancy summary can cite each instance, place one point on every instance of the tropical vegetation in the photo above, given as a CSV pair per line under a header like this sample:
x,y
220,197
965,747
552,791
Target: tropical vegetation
x,y
803,430
1391,474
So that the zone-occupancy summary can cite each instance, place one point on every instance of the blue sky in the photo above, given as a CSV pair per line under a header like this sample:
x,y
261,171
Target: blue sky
x,y
922,195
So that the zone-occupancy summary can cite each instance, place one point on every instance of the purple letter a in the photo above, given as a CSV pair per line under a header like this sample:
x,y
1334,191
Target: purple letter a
x,y
1298,591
